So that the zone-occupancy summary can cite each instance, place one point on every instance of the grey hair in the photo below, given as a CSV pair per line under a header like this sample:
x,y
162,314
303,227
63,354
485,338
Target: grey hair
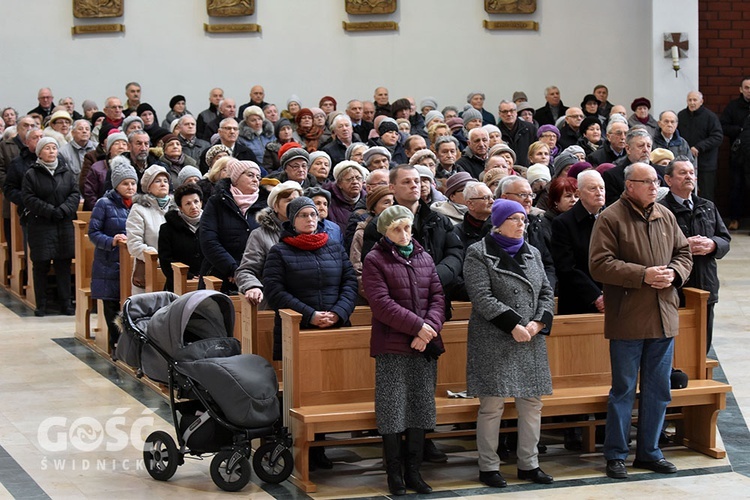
x,y
618,118
82,120
547,90
348,104
700,94
64,98
471,189
678,159
179,120
477,130
225,120
668,111
9,132
507,182
636,132
449,108
444,139
588,174
506,101
127,85
28,132
337,120
137,132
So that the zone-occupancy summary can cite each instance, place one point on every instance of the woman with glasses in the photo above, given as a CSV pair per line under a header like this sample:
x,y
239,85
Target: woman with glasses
x,y
309,273
549,134
145,219
512,307
228,220
346,190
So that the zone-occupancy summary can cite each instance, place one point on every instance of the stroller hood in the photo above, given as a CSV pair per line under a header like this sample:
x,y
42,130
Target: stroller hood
x,y
136,314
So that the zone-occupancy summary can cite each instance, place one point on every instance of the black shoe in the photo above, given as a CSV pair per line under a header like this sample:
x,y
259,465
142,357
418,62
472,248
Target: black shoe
x,y
573,441
616,469
415,482
319,460
432,454
68,311
39,312
396,485
493,479
536,475
659,466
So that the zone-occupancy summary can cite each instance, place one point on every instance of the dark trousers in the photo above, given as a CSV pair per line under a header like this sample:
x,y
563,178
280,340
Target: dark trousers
x,y
736,201
62,278
709,325
707,185
111,309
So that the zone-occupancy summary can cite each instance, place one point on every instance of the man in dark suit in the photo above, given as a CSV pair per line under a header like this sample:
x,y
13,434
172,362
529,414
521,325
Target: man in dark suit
x,y
571,233
228,134
554,109
46,103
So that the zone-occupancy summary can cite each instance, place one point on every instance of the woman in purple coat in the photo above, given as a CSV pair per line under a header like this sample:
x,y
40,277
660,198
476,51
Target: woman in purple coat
x,y
407,302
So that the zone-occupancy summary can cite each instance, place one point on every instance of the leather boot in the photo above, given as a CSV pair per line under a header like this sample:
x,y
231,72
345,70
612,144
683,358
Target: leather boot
x,y
414,451
392,459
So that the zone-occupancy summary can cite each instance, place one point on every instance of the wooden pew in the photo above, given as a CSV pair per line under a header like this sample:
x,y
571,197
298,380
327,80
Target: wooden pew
x,y
126,272
84,258
329,382
4,253
19,263
155,279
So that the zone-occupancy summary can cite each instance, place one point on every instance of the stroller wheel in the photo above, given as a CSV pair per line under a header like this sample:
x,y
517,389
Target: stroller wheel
x,y
160,455
230,470
273,462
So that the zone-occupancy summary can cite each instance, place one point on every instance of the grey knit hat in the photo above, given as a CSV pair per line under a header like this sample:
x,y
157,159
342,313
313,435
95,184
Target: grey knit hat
x,y
130,119
293,154
121,169
374,151
297,204
186,173
393,213
428,101
319,154
563,160
431,115
351,148
471,114
43,142
472,94
112,138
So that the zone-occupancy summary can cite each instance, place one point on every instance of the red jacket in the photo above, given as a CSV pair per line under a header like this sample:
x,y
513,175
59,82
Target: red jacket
x,y
403,294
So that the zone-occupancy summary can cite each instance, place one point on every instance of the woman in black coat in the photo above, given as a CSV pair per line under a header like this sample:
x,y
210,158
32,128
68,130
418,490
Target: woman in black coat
x,y
179,235
228,220
50,195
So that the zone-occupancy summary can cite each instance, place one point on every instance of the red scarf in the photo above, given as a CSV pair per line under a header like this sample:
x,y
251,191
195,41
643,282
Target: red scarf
x,y
307,241
128,202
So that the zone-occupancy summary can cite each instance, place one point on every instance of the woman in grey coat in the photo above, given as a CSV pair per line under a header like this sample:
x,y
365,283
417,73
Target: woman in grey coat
x,y
512,302
249,274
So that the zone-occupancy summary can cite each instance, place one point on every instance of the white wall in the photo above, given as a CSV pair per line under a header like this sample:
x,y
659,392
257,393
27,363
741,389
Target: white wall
x,y
441,49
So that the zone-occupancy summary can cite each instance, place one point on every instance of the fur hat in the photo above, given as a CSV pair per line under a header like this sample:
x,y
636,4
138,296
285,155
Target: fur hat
x,y
471,114
417,157
186,173
279,188
112,138
374,151
374,196
293,154
339,169
391,214
150,174
640,101
121,169
43,142
297,204
457,181
253,110
174,100
493,174
503,208
215,150
538,172
236,168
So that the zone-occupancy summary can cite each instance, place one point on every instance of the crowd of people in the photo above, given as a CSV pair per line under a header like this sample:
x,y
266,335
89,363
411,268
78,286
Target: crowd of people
x,y
407,207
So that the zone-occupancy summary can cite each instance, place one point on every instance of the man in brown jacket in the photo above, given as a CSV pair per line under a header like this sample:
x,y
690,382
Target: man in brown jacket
x,y
641,256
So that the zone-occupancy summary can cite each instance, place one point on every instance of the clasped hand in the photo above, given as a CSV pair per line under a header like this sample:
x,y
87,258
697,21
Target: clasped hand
x,y
659,277
424,336
324,319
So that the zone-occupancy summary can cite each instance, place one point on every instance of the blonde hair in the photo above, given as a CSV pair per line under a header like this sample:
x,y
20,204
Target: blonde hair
x,y
214,174
432,131
536,146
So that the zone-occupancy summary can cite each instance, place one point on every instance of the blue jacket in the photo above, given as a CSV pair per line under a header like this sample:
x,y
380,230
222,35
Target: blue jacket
x,y
308,281
224,232
107,220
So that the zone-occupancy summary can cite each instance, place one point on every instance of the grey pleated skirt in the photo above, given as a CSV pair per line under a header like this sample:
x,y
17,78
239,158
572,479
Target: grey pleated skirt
x,y
404,392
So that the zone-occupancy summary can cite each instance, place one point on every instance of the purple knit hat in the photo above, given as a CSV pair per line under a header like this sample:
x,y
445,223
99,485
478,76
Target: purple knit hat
x,y
503,208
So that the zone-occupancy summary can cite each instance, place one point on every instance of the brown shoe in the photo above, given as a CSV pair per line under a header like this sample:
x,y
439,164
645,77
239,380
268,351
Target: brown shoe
x,y
734,225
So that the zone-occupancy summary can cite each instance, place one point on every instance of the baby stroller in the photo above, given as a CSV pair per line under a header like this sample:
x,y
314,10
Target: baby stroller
x,y
220,399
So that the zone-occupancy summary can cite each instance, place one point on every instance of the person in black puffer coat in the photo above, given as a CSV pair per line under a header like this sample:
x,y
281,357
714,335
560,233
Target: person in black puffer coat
x,y
179,236
228,219
50,194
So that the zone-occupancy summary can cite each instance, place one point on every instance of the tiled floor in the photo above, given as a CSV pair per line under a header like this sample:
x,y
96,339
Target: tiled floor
x,y
68,420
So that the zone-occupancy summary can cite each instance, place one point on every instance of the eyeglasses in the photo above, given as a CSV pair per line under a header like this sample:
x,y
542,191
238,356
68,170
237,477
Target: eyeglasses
x,y
653,182
311,215
232,129
524,196
350,180
507,111
298,166
548,135
576,116
115,107
252,175
619,132
517,219
482,198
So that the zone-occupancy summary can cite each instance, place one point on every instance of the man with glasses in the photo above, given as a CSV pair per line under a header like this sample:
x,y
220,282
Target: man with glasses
x,y
45,98
637,149
640,255
227,109
478,199
614,145
113,112
518,189
229,131
295,164
517,133
569,130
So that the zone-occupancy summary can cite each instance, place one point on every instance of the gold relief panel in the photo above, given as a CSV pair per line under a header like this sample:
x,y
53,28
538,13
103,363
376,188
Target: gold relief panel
x,y
510,6
370,6
230,8
97,8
